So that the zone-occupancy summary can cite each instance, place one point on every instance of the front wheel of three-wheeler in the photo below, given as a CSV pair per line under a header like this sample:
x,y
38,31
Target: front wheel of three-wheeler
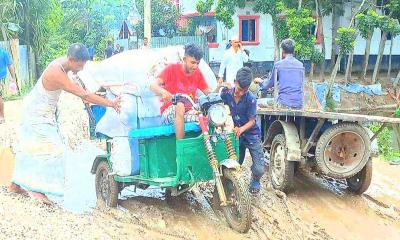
x,y
360,182
106,187
238,210
280,170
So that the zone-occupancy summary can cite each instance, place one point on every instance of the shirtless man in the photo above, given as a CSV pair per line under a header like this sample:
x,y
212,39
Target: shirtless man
x,y
42,172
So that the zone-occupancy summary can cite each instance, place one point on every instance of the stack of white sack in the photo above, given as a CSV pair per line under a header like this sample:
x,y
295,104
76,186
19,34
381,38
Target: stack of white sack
x,y
129,75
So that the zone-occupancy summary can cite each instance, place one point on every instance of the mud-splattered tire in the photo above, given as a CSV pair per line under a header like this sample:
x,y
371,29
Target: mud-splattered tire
x,y
360,182
106,187
280,170
343,150
238,213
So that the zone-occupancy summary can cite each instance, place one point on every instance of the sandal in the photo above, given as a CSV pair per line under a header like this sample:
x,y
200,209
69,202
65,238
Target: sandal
x,y
255,186
2,120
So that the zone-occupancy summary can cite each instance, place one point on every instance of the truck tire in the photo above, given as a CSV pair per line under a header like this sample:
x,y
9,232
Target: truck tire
x,y
107,189
343,150
360,182
280,170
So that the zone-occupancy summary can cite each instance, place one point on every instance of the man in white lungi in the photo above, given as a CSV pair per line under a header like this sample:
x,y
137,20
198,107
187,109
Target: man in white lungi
x,y
39,166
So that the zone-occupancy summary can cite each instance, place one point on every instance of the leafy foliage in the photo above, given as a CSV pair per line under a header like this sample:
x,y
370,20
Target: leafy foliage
x,y
367,22
346,40
225,10
204,6
394,8
164,15
282,28
299,23
384,142
50,26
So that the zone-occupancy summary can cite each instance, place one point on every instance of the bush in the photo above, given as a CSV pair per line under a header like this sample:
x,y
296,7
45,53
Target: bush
x,y
384,142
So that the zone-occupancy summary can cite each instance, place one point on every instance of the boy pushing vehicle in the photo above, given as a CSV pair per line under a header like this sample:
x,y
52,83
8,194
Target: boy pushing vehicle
x,y
243,106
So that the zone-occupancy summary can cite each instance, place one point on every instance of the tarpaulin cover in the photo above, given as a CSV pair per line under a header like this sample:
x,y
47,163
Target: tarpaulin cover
x,y
320,90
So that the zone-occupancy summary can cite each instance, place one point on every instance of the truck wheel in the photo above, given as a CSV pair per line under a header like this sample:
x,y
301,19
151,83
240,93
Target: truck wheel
x,y
360,182
106,187
280,170
343,150
238,211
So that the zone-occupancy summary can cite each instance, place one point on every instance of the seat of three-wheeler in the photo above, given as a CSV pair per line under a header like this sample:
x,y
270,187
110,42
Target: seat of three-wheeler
x,y
163,160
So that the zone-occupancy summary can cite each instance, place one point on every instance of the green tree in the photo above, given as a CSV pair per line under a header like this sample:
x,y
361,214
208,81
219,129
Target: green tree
x,y
335,8
299,23
387,25
37,20
225,9
346,40
164,15
366,23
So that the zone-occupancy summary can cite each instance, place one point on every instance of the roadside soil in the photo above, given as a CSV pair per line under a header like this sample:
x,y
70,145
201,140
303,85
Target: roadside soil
x,y
318,208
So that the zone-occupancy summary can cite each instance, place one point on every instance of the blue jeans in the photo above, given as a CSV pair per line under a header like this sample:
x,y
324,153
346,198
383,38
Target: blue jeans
x,y
257,156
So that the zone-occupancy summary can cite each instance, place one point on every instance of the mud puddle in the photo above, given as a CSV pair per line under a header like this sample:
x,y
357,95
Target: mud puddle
x,y
344,215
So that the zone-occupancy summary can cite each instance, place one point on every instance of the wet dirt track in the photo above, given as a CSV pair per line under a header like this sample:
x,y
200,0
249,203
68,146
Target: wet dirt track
x,y
317,209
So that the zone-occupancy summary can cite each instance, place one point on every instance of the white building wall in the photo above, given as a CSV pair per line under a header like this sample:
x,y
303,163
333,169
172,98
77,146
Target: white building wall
x,y
359,48
265,50
327,28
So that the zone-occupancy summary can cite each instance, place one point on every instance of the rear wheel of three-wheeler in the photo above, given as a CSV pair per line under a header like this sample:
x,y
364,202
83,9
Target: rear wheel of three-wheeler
x,y
360,182
280,170
106,187
238,210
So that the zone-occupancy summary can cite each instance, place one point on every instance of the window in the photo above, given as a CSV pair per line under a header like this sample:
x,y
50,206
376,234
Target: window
x,y
249,29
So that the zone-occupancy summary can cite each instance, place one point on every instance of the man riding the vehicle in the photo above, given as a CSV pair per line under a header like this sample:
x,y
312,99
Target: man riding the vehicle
x,y
185,78
290,74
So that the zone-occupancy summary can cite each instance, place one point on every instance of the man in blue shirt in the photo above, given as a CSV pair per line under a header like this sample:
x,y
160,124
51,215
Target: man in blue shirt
x,y
243,105
5,62
290,72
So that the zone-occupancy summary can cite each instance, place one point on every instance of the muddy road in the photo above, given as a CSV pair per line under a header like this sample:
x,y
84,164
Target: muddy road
x,y
318,208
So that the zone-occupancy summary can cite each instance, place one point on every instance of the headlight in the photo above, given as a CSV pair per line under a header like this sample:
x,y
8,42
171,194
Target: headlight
x,y
218,114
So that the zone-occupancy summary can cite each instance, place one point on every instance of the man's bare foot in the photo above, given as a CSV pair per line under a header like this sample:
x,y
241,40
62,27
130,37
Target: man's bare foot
x,y
41,197
14,188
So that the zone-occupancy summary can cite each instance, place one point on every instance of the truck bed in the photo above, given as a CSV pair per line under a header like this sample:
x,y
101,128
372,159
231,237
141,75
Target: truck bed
x,y
325,115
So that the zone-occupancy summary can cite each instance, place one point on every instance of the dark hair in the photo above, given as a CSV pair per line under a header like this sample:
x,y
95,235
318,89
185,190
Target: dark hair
x,y
78,52
244,77
109,42
287,46
192,50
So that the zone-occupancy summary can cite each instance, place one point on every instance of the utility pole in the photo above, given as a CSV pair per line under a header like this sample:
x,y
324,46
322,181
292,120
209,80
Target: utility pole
x,y
147,19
